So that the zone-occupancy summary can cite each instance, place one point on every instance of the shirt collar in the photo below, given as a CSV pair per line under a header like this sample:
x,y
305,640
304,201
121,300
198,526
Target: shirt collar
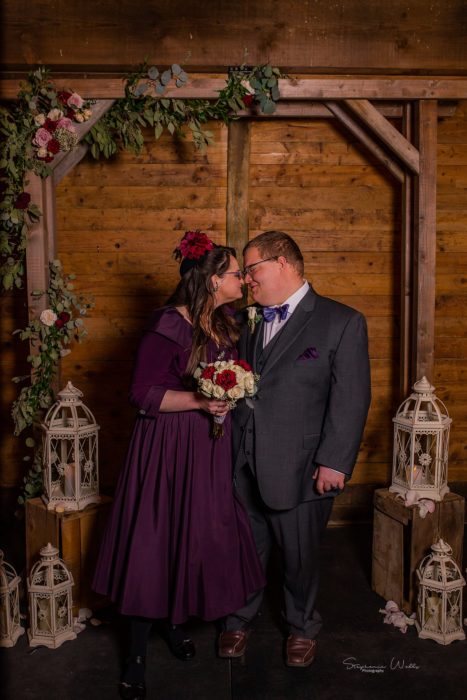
x,y
295,298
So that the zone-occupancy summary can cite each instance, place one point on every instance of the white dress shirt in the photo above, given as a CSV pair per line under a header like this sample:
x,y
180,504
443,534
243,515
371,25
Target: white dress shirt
x,y
270,329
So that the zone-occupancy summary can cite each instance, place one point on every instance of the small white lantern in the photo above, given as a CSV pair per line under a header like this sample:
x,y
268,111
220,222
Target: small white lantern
x,y
421,444
439,614
71,476
10,628
50,602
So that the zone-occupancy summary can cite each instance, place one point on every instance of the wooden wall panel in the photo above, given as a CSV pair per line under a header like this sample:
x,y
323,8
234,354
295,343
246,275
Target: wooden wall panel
x,y
312,180
119,221
450,370
118,224
342,36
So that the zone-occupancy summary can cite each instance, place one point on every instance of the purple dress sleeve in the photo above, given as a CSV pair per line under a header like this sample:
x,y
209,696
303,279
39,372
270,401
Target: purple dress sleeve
x,y
152,371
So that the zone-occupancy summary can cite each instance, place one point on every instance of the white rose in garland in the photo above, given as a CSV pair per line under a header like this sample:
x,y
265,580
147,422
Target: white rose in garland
x,y
48,317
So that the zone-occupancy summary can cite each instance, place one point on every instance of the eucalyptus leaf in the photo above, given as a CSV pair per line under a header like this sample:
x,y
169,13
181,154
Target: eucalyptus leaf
x,y
141,89
153,73
176,70
166,77
160,89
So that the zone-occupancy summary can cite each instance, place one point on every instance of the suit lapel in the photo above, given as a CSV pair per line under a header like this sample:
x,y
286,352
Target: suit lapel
x,y
294,326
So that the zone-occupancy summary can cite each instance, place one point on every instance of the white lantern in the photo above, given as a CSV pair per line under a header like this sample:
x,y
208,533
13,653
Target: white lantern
x,y
10,628
50,602
439,614
71,476
421,444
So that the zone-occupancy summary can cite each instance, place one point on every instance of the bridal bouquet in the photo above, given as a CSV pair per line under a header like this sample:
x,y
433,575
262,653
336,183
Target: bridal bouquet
x,y
226,380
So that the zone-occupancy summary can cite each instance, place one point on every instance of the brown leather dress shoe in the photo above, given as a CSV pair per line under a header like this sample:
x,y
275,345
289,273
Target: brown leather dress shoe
x,y
300,651
232,644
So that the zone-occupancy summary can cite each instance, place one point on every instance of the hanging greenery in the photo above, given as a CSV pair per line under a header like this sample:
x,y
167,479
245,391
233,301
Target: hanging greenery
x,y
42,124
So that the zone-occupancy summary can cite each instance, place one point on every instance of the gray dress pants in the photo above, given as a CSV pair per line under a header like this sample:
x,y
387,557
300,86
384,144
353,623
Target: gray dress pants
x,y
297,533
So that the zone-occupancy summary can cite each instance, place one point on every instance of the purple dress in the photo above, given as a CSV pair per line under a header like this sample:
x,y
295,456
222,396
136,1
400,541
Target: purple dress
x,y
178,543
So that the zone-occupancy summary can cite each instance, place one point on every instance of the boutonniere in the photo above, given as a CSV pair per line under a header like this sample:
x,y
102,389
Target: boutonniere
x,y
253,317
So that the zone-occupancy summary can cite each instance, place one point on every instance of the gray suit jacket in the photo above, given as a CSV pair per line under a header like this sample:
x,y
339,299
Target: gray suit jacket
x,y
312,400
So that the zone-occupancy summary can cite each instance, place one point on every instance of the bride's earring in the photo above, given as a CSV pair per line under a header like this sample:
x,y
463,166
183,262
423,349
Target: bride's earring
x,y
215,287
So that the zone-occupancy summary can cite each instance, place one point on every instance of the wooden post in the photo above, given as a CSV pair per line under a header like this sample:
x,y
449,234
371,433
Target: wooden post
x,y
424,277
41,242
405,376
238,161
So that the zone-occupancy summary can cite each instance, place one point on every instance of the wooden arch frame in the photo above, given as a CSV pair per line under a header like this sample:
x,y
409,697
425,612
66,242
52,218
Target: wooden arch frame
x,y
410,157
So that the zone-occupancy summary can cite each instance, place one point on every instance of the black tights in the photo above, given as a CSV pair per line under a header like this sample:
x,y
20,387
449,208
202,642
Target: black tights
x,y
140,628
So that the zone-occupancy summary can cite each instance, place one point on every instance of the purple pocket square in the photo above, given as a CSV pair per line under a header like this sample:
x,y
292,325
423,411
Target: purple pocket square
x,y
310,353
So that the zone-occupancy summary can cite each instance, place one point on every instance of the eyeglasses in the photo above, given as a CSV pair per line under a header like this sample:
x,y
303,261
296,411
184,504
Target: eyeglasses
x,y
249,268
236,273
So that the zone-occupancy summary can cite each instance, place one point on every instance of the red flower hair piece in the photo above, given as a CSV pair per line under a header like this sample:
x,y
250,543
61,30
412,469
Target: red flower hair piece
x,y
193,245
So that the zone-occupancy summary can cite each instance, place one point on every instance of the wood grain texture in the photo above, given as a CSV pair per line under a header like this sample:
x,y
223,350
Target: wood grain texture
x,y
344,36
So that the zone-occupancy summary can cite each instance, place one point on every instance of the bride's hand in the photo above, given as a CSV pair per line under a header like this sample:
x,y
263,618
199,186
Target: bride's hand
x,y
212,406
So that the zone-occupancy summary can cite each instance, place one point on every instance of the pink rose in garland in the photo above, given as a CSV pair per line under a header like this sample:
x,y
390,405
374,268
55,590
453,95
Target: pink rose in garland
x,y
42,137
56,130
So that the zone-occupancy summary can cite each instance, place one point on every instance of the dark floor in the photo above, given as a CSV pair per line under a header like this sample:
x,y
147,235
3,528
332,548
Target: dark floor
x,y
353,640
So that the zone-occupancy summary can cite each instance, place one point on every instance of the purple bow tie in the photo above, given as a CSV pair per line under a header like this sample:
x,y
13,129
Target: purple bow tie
x,y
269,312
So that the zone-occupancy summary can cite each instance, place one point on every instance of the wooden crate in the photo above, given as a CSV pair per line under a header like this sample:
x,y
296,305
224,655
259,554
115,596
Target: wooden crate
x,y
77,536
401,538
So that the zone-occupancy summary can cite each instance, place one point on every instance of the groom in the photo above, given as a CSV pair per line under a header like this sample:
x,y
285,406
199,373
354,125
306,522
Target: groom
x,y
296,441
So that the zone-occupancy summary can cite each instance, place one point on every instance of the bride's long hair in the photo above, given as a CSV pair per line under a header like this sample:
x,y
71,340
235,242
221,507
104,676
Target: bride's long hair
x,y
195,291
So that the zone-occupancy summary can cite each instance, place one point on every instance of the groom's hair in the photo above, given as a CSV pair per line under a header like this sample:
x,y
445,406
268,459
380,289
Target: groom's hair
x,y
276,243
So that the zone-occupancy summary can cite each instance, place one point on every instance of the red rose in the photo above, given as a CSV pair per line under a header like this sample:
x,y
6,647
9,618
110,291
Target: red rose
x,y
59,323
63,96
22,201
64,316
50,125
208,372
248,100
244,365
70,113
53,146
226,379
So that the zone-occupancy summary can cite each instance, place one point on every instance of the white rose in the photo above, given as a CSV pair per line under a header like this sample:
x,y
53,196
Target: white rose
x,y
249,384
87,113
48,317
218,392
235,393
42,152
206,386
79,117
55,114
39,119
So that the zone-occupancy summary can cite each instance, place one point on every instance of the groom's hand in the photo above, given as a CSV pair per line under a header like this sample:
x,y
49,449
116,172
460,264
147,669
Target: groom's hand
x,y
328,479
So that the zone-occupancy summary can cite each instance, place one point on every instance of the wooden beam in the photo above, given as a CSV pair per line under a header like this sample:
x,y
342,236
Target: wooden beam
x,y
238,163
313,88
405,373
64,162
366,140
305,109
388,134
423,324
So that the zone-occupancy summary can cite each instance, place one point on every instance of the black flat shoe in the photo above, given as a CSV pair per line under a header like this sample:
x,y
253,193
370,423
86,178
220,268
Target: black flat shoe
x,y
182,648
127,689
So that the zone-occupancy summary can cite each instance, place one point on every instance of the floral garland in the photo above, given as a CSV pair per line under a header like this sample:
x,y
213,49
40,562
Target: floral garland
x,y
39,127
49,337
